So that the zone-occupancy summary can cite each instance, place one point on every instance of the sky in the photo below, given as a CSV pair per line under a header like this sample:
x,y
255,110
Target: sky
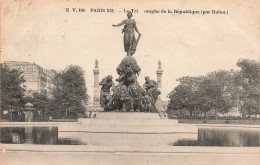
x,y
187,45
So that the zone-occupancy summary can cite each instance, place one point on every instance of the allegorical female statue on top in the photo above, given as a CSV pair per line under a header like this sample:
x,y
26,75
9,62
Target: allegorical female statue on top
x,y
130,43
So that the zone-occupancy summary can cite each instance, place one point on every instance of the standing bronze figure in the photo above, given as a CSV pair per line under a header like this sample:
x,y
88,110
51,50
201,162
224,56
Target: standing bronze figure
x,y
130,43
152,93
105,94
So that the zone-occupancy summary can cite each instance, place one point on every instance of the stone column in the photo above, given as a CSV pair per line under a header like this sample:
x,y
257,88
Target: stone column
x,y
159,75
96,96
160,104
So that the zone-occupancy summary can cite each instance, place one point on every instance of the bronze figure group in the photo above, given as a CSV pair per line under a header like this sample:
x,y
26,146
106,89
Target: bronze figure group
x,y
132,97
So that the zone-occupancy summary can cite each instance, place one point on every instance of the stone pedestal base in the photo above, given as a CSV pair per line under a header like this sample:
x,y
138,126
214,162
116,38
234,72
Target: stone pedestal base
x,y
127,129
127,122
127,115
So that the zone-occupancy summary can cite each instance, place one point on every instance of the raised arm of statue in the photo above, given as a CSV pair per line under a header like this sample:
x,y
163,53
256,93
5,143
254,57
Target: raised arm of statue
x,y
120,24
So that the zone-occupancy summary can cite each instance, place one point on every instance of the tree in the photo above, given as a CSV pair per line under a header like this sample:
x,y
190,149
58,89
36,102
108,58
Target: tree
x,y
70,90
222,91
250,71
179,99
248,82
203,93
192,82
11,89
204,96
193,103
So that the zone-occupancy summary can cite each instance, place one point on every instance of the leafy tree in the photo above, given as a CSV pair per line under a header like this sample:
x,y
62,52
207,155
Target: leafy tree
x,y
192,82
250,71
222,91
203,93
248,81
205,96
194,103
12,90
70,91
180,98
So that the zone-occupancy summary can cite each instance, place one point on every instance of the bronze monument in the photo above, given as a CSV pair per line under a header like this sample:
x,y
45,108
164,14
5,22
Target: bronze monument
x,y
128,95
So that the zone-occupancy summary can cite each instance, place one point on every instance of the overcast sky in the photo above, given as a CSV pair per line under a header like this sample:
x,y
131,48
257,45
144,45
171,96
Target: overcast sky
x,y
186,44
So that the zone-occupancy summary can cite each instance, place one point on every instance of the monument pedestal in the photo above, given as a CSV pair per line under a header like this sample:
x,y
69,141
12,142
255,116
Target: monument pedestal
x,y
127,122
127,115
127,129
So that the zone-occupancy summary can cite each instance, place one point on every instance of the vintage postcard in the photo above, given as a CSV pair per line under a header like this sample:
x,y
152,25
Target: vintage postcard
x,y
130,82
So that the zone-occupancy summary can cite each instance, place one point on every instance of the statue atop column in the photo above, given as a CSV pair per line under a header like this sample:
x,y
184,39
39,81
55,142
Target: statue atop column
x,y
159,65
96,63
130,43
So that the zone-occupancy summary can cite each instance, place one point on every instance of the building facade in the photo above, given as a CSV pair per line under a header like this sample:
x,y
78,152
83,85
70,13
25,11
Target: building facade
x,y
37,79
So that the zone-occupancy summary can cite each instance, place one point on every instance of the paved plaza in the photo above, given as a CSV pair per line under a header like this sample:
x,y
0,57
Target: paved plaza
x,y
140,158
